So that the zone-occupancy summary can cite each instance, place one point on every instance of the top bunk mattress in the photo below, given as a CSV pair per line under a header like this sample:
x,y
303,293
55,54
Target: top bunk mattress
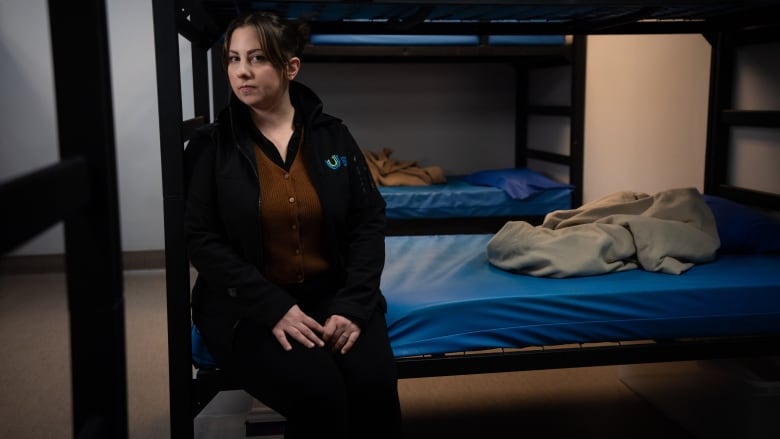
x,y
458,198
444,296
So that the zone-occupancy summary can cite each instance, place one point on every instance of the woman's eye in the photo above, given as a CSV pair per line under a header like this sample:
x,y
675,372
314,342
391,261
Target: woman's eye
x,y
257,59
233,59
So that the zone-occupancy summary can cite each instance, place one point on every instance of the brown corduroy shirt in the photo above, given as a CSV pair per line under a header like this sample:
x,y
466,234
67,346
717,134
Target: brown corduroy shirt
x,y
290,219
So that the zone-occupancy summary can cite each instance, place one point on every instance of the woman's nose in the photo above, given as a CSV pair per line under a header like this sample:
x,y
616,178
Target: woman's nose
x,y
243,69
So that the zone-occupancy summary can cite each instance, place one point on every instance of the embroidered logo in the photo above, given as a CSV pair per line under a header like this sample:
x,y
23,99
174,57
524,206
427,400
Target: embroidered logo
x,y
335,162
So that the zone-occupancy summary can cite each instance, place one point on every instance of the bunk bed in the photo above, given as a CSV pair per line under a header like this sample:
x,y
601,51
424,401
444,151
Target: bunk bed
x,y
482,200
726,24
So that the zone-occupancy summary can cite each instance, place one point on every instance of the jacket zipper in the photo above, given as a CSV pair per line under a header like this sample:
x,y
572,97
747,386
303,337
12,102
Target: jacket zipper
x,y
249,161
246,157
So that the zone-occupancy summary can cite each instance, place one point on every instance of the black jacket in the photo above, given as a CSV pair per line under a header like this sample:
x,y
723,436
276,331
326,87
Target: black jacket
x,y
224,241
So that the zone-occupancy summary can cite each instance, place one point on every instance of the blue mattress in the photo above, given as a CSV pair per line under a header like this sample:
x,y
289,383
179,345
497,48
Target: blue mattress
x,y
443,296
458,198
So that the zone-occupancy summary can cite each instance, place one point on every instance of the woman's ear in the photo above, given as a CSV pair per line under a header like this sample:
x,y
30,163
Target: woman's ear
x,y
293,67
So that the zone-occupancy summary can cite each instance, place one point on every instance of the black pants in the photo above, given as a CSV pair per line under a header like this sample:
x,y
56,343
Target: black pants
x,y
322,394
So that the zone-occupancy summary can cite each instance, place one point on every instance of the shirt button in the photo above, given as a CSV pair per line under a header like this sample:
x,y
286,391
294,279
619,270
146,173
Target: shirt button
x,y
286,176
297,251
294,226
292,199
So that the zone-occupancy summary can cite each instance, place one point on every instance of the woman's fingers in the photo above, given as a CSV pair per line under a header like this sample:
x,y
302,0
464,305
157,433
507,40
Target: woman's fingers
x,y
340,333
307,333
350,341
281,337
302,328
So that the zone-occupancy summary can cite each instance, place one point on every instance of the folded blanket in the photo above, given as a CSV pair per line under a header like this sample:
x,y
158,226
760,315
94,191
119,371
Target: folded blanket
x,y
389,172
668,232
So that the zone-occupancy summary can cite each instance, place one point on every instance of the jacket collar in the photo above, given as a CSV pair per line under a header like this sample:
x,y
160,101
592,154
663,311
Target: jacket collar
x,y
235,119
302,97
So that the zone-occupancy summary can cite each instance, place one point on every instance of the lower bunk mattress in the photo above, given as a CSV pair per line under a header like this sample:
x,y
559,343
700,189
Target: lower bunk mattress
x,y
444,296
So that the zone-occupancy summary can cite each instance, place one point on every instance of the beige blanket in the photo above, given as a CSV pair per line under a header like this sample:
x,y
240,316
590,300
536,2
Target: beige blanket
x,y
389,172
668,232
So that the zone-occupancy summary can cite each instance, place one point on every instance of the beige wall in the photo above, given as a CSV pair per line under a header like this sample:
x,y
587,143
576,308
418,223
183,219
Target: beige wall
x,y
645,113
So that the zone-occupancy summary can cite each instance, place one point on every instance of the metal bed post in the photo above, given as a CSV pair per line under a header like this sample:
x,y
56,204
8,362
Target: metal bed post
x,y
721,79
200,83
82,75
521,115
577,140
177,279
170,21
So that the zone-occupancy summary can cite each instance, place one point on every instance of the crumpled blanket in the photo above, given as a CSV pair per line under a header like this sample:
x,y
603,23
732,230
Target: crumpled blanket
x,y
668,232
389,172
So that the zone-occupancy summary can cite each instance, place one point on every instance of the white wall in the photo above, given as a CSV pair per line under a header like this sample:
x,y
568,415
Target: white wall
x,y
28,122
645,113
136,124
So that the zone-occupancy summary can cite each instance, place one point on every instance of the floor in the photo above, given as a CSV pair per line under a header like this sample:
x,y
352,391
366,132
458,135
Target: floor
x,y
35,380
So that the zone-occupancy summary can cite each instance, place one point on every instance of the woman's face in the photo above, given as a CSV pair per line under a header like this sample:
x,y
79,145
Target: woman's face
x,y
254,80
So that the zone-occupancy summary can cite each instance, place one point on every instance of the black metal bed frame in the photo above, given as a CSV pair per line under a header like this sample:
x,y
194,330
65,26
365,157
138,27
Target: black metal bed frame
x,y
199,21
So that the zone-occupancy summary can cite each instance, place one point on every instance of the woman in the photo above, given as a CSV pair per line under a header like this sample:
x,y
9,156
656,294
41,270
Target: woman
x,y
286,230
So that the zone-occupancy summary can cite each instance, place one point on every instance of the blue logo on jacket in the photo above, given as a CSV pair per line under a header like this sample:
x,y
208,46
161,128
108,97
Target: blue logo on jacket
x,y
335,162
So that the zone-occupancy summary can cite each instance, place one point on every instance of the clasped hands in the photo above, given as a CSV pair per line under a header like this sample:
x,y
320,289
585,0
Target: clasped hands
x,y
338,334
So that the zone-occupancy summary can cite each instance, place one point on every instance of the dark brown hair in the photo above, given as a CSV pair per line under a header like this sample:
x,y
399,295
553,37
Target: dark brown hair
x,y
280,39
